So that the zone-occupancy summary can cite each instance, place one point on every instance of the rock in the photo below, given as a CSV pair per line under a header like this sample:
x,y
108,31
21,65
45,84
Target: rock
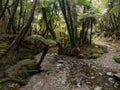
x,y
79,82
92,77
111,80
84,87
98,88
60,63
109,74
116,85
100,74
117,77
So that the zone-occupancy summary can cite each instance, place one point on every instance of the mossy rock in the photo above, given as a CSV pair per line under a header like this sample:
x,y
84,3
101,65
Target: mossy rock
x,y
117,58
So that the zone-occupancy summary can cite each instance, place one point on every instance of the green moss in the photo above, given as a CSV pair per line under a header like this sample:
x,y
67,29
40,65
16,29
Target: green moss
x,y
117,58
117,48
29,56
93,52
20,74
29,65
4,87
53,50
3,45
8,61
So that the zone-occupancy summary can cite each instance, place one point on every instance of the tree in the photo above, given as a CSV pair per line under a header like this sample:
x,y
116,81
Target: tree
x,y
109,23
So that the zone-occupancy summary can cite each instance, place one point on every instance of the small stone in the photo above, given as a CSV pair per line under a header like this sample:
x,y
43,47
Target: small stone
x,y
88,82
100,74
55,54
92,77
84,87
98,88
111,80
92,73
109,74
60,63
116,85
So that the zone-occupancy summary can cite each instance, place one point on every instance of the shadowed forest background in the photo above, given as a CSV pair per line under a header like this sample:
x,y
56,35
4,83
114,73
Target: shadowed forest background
x,y
64,33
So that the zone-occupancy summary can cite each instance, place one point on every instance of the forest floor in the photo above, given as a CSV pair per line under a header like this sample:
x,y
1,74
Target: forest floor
x,y
71,73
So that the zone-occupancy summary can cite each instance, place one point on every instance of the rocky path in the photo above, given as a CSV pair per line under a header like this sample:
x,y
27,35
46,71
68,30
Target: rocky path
x,y
70,73
107,60
53,79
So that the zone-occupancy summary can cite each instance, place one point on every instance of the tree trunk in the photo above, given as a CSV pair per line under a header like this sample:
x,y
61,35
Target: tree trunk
x,y
20,15
11,19
24,31
2,10
91,27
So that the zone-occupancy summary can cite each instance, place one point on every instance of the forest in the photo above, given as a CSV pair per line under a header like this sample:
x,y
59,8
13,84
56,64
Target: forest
x,y
59,44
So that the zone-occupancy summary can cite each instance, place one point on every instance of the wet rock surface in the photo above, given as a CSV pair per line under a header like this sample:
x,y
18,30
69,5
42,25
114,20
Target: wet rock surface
x,y
71,73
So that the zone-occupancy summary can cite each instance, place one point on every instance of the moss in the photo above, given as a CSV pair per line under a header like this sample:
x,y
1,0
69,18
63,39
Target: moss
x,y
90,52
117,58
28,56
29,65
8,61
20,74
93,56
93,52
3,45
53,50
117,48
4,87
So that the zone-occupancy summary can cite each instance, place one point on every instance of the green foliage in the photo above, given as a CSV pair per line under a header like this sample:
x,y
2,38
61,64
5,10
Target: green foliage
x,y
116,8
83,2
46,3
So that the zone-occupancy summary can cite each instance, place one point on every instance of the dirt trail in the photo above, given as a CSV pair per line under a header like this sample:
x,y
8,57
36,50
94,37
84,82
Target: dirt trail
x,y
60,67
53,79
107,60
